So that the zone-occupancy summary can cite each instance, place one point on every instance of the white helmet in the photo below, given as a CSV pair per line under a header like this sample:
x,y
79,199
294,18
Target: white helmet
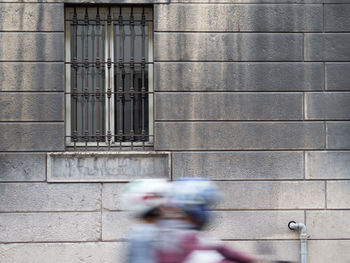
x,y
142,196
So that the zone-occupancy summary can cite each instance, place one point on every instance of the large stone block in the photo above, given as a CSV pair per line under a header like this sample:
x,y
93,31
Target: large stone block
x,y
255,18
116,225
31,136
35,197
338,76
238,135
31,76
327,47
106,167
87,252
31,107
238,165
112,196
253,224
327,165
326,251
38,227
338,135
228,47
328,224
31,46
22,167
242,76
272,195
338,194
229,106
337,18
31,17
327,106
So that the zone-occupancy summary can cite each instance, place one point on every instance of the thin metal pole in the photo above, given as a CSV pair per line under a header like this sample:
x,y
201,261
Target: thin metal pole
x,y
75,76
143,89
132,95
121,79
86,65
98,80
109,90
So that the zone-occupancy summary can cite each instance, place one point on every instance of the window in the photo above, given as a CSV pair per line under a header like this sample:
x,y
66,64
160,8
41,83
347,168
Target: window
x,y
109,77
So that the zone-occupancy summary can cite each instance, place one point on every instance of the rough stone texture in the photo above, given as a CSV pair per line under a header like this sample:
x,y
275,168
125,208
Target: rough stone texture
x,y
31,137
49,197
31,46
31,76
327,47
238,165
338,76
337,18
228,47
338,135
229,106
112,196
325,251
240,136
327,106
31,107
31,17
88,252
213,76
338,194
273,250
327,165
113,166
253,224
255,18
115,225
22,167
37,227
258,1
328,224
272,195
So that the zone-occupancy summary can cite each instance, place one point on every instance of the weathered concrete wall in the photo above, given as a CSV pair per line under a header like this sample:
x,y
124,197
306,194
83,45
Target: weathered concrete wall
x,y
253,94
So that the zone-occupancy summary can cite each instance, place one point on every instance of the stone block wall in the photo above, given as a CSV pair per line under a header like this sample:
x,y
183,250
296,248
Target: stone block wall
x,y
254,94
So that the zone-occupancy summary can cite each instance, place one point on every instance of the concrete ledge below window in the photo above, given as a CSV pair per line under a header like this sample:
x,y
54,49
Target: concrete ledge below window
x,y
107,166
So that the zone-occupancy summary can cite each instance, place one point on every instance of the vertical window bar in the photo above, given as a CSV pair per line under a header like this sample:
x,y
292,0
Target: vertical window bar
x,y
132,88
121,79
86,66
75,76
143,89
109,90
98,80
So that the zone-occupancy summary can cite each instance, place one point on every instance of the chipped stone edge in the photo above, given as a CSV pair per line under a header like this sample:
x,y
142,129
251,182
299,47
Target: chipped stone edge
x,y
145,154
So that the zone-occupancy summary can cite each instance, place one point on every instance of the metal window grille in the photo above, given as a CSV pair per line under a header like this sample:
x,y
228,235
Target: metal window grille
x,y
109,76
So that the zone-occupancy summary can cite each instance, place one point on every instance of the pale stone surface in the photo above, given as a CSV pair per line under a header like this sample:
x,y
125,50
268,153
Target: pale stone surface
x,y
327,106
106,166
49,197
338,76
337,18
328,224
31,17
112,196
338,135
271,195
258,1
238,165
31,107
253,224
255,18
228,47
116,225
326,251
28,76
31,136
240,136
35,227
22,167
87,252
338,194
327,165
31,46
327,47
229,106
242,76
